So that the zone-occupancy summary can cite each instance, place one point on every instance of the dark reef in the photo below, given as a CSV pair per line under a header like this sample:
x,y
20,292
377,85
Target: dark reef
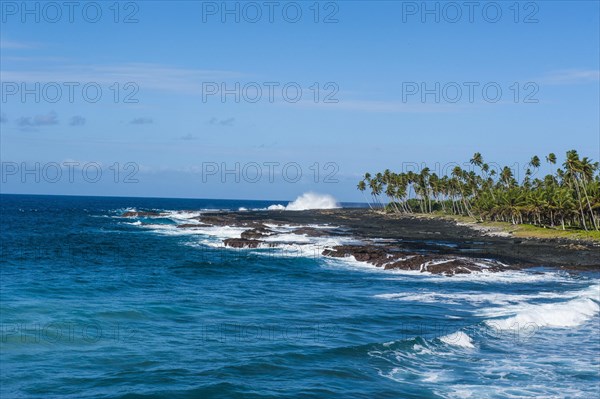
x,y
431,245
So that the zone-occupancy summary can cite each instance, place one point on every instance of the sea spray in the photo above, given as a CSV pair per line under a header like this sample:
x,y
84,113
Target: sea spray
x,y
308,201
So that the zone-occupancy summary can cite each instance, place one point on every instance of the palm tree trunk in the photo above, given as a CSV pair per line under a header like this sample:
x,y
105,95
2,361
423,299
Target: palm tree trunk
x,y
580,207
589,206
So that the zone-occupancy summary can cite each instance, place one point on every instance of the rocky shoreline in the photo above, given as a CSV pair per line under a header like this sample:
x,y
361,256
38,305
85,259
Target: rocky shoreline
x,y
437,246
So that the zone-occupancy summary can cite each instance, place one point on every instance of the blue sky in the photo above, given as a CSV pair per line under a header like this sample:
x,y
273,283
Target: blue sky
x,y
366,57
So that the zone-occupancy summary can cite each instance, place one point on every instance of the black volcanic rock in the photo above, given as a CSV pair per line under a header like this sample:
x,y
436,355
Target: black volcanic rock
x,y
230,219
133,214
256,233
399,238
244,243
390,258
312,232
362,253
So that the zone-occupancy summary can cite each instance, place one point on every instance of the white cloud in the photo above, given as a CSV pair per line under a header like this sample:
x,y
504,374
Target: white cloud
x,y
11,44
383,106
145,76
572,76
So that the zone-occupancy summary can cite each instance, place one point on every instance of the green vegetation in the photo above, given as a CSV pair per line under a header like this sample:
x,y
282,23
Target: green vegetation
x,y
569,198
520,230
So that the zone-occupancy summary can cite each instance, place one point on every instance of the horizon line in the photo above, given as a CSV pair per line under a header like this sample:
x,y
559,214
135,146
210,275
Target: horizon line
x,y
175,198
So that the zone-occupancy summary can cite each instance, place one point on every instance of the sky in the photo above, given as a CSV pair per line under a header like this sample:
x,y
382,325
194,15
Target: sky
x,y
268,100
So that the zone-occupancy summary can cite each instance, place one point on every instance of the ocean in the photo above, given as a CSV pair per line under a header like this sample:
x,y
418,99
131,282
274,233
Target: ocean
x,y
94,305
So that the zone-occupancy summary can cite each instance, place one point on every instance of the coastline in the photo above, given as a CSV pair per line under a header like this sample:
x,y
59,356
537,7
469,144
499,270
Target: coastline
x,y
470,238
410,242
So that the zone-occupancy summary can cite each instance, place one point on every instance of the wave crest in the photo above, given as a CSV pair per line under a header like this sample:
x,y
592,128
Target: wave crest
x,y
568,314
308,201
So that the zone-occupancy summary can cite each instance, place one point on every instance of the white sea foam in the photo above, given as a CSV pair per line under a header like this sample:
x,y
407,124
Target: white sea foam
x,y
566,314
475,298
117,213
222,232
180,215
168,229
136,223
282,242
312,201
459,339
486,277
350,263
175,215
219,232
295,245
288,237
517,373
576,308
308,201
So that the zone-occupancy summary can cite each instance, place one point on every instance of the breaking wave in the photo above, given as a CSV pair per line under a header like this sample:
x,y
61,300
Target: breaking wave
x,y
309,201
567,314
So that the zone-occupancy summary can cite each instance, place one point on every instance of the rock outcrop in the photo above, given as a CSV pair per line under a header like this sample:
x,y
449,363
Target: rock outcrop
x,y
390,258
245,243
135,214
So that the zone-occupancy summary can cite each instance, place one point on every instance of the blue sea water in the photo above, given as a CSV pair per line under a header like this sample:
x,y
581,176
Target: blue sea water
x,y
93,305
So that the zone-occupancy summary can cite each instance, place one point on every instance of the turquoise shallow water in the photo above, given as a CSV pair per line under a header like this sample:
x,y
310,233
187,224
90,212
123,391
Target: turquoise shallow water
x,y
98,306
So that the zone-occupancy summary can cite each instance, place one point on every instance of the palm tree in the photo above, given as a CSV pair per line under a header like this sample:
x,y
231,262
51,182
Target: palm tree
x,y
535,162
571,194
506,177
586,172
572,165
362,186
564,204
477,159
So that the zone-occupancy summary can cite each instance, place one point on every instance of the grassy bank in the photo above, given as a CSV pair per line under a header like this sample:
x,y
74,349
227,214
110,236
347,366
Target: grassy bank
x,y
520,230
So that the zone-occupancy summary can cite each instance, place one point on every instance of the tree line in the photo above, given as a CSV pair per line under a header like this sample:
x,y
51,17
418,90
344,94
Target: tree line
x,y
570,197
